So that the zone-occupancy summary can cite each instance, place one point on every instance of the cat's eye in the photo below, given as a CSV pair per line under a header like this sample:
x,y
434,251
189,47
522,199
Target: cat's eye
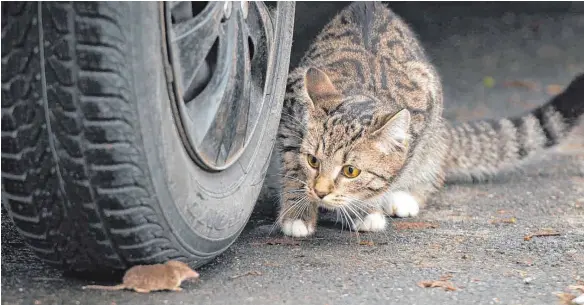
x,y
350,171
313,161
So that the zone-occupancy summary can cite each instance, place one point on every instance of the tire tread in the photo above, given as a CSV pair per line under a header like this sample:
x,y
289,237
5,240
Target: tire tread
x,y
100,209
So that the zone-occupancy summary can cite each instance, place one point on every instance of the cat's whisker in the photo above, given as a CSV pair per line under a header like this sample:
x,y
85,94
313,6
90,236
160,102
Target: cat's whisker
x,y
295,136
290,177
342,216
349,218
351,208
289,209
361,204
357,206
303,206
369,204
361,201
302,137
351,223
295,208
294,191
352,202
295,120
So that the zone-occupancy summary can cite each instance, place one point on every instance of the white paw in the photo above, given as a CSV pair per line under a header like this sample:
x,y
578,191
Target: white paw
x,y
402,204
373,222
297,228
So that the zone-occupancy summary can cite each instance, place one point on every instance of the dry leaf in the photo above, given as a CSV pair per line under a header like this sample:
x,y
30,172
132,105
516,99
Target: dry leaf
x,y
253,272
448,286
278,241
367,243
541,233
521,84
283,241
554,89
414,225
504,220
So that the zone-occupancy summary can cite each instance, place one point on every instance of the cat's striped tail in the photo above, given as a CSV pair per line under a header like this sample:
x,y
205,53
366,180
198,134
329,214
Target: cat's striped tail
x,y
480,149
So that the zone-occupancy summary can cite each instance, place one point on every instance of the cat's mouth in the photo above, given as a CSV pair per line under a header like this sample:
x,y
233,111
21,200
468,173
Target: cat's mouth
x,y
328,202
330,205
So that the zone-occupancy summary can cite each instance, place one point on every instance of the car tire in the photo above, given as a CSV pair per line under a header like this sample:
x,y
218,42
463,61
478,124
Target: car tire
x,y
95,175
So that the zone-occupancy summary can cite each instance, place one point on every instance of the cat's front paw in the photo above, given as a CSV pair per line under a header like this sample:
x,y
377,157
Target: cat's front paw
x,y
402,204
373,222
297,228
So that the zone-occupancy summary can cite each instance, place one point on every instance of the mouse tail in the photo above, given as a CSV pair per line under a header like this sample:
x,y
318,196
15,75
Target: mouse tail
x,y
116,287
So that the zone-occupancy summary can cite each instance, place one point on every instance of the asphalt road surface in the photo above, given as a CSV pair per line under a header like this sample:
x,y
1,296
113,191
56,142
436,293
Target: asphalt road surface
x,y
474,234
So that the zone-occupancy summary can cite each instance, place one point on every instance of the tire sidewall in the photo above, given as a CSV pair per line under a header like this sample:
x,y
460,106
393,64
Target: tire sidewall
x,y
199,208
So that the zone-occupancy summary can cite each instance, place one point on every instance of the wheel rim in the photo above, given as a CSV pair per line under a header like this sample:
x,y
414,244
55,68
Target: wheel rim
x,y
219,54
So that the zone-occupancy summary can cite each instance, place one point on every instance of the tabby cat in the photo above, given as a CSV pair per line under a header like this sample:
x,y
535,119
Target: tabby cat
x,y
362,131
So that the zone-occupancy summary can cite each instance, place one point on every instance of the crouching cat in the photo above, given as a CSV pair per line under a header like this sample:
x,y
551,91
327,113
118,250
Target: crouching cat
x,y
362,131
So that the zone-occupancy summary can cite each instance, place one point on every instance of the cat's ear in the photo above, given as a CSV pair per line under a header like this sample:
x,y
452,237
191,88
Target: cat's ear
x,y
320,89
393,130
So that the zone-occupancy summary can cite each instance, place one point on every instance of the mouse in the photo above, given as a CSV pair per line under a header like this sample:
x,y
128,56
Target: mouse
x,y
147,278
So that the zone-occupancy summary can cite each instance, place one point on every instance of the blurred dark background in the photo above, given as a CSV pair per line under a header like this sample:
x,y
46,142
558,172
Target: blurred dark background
x,y
525,50
427,18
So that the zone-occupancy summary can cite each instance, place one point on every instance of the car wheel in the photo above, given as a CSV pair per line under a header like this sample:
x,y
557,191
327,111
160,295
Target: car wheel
x,y
138,132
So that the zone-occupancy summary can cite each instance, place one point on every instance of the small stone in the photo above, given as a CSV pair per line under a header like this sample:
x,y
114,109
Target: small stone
x,y
528,280
548,51
489,82
554,89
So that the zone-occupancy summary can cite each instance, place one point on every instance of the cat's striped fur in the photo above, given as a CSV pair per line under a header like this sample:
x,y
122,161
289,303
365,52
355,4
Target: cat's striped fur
x,y
365,94
478,150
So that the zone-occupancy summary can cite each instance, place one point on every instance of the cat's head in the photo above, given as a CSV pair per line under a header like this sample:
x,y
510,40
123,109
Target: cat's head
x,y
352,146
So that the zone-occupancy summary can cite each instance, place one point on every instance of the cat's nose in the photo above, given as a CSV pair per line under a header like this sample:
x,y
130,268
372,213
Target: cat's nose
x,y
321,194
323,187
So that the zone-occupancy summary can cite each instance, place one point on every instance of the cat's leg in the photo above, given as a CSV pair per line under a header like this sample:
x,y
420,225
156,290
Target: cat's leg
x,y
402,204
297,217
373,221
300,225
396,204
408,203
